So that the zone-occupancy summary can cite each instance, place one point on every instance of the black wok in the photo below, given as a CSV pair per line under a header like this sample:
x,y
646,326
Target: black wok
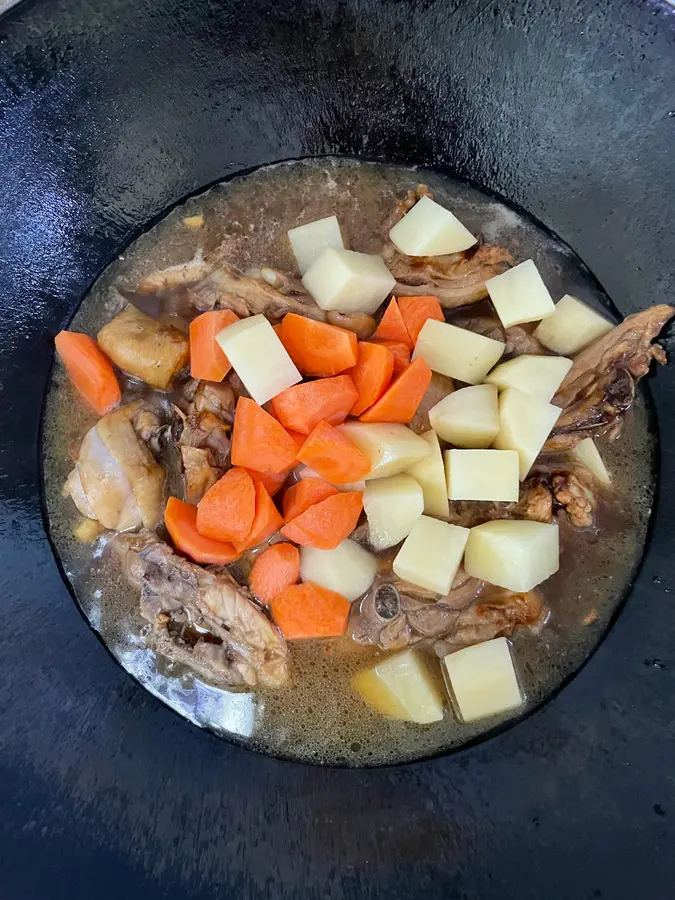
x,y
110,113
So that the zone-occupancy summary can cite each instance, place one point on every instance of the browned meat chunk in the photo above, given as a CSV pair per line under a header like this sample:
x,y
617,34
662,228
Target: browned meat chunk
x,y
200,474
600,386
202,618
175,277
144,347
361,324
535,503
439,387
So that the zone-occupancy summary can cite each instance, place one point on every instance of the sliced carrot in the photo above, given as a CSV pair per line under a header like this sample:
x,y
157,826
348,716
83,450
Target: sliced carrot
x,y
277,330
303,406
300,496
416,311
392,327
401,354
207,360
266,522
317,348
272,483
297,437
310,611
89,369
274,570
259,441
334,456
226,511
371,375
324,525
181,522
400,401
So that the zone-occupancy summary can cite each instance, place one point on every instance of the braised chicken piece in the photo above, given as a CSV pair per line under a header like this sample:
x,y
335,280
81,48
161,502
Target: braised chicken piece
x,y
172,278
535,503
439,387
203,618
144,347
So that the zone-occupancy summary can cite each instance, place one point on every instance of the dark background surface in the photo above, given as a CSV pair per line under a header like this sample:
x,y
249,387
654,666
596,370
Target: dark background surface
x,y
108,114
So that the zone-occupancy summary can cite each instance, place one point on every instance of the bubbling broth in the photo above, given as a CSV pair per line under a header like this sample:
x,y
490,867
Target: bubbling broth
x,y
317,717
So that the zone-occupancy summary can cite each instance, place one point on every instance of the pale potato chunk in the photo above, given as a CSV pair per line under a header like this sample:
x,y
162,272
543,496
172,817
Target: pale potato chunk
x,y
431,554
483,680
258,357
540,376
390,447
456,352
525,423
392,506
348,281
467,418
573,326
429,229
516,554
402,687
482,475
520,295
348,569
429,473
310,240
588,455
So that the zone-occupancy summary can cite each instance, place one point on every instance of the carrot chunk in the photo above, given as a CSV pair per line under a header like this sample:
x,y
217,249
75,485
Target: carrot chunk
x,y
326,524
401,354
392,327
226,511
310,611
303,406
181,522
266,522
416,311
274,570
317,348
259,441
272,483
334,456
371,375
207,360
299,497
89,369
400,401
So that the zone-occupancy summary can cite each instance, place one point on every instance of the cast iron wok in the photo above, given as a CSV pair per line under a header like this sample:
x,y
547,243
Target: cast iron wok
x,y
108,115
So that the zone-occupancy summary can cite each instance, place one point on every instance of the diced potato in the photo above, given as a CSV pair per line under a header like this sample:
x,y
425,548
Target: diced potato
x,y
540,376
193,222
588,455
348,281
310,240
431,554
392,506
456,352
348,569
573,326
483,680
525,423
402,687
429,229
429,473
390,447
467,418
482,475
516,554
258,357
520,295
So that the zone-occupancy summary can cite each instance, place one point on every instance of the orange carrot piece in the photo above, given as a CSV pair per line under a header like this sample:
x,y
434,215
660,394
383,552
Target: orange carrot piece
x,y
181,523
324,525
207,360
259,441
303,406
317,348
89,369
277,330
272,483
297,437
300,496
371,375
392,327
226,511
416,311
274,570
266,522
400,401
310,611
333,456
401,354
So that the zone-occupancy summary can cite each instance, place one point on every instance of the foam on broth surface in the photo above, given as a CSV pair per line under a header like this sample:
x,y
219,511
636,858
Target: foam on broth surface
x,y
318,718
